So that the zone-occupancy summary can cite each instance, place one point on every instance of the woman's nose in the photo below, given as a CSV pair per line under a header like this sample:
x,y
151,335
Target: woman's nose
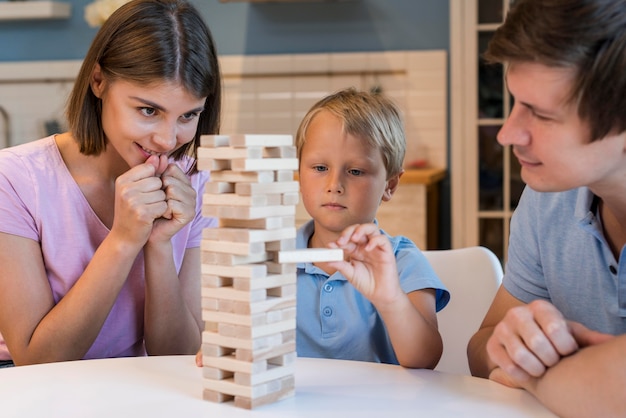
x,y
165,138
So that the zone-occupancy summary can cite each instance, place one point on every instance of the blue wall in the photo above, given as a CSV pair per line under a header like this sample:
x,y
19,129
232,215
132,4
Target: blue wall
x,y
260,28
267,28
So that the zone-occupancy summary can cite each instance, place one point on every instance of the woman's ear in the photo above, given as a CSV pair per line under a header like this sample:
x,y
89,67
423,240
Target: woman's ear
x,y
392,186
97,81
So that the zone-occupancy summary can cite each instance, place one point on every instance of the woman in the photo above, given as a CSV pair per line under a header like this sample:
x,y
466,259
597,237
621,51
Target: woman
x,y
100,226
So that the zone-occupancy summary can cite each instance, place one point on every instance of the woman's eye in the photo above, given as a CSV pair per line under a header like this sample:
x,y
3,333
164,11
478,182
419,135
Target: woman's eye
x,y
147,111
190,116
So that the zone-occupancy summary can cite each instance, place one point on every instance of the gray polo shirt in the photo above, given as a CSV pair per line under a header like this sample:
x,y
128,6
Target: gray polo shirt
x,y
557,252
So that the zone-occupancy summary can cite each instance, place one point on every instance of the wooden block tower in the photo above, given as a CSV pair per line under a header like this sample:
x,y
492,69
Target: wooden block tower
x,y
248,293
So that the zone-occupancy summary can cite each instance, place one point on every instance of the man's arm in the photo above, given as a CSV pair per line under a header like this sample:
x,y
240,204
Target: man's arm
x,y
588,383
479,362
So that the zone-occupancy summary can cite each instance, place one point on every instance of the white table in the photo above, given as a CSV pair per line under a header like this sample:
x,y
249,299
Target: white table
x,y
172,387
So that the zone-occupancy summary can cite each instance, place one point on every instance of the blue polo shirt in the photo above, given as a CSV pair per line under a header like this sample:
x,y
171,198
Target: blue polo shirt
x,y
335,321
557,252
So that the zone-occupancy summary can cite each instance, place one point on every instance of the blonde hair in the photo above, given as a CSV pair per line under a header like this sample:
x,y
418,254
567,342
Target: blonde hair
x,y
366,115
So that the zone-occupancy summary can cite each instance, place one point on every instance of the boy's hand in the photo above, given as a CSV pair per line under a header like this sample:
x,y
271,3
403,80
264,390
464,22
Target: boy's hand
x,y
371,265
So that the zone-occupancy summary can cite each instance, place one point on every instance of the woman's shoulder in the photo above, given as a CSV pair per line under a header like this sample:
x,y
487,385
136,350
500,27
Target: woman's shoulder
x,y
36,153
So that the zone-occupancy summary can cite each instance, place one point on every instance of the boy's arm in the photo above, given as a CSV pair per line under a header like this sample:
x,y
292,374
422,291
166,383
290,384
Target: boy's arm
x,y
410,319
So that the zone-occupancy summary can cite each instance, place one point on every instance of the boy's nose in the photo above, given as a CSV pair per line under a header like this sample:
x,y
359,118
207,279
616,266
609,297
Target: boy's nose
x,y
334,185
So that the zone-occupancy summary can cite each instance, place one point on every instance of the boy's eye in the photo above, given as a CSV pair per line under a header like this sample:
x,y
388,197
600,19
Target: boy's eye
x,y
319,168
355,172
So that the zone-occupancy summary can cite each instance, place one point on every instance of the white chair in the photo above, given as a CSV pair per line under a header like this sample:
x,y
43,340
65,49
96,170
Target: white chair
x,y
472,275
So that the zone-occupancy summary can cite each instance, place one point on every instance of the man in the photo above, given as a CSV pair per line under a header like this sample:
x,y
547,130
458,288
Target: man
x,y
557,326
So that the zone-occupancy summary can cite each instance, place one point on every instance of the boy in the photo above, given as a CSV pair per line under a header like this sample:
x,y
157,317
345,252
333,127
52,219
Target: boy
x,y
566,69
380,303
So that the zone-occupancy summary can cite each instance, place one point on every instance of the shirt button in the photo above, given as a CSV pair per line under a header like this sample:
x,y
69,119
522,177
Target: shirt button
x,y
328,287
327,311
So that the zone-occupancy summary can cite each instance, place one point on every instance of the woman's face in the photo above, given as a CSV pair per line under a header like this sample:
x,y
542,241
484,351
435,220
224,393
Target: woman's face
x,y
143,120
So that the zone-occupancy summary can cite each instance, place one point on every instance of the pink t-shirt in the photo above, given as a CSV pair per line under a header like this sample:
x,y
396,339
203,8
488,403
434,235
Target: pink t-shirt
x,y
40,200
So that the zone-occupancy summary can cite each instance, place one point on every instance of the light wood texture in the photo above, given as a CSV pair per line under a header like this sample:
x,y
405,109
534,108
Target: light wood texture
x,y
310,255
247,296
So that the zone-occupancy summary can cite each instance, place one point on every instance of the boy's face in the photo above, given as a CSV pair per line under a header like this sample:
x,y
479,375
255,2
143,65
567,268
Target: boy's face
x,y
342,179
549,139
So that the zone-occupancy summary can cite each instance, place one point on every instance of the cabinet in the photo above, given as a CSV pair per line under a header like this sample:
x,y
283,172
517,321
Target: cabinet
x,y
29,10
486,184
413,211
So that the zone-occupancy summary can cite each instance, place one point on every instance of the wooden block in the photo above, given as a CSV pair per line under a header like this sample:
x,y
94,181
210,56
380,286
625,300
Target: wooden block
x,y
286,359
267,282
267,304
216,350
209,303
234,295
284,175
219,187
212,337
247,332
215,396
291,198
280,152
280,268
230,176
229,153
285,389
249,320
243,212
261,164
230,363
213,141
246,189
243,270
215,373
282,245
211,257
310,255
282,291
266,353
233,199
249,235
209,164
271,222
271,372
240,248
260,140
210,280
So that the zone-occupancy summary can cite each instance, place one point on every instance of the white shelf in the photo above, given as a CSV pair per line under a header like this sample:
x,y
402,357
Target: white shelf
x,y
27,10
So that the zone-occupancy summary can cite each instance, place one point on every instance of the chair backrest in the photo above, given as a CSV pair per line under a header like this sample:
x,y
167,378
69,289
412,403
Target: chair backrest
x,y
472,275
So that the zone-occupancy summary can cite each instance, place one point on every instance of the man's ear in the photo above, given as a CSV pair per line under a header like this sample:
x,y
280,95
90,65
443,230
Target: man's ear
x,y
97,81
392,186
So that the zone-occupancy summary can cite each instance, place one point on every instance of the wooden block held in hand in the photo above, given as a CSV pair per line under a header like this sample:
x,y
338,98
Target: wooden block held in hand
x,y
310,255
